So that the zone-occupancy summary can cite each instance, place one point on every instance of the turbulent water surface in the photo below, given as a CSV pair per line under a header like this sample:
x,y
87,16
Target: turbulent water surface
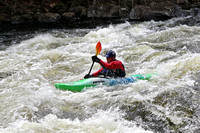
x,y
31,63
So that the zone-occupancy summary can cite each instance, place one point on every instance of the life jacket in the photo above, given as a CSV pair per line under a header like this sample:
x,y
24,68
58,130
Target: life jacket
x,y
113,69
113,73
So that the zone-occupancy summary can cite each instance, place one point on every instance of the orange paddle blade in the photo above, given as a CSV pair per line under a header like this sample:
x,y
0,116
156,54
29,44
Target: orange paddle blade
x,y
98,48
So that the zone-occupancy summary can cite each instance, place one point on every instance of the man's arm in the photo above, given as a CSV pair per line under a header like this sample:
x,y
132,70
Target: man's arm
x,y
97,73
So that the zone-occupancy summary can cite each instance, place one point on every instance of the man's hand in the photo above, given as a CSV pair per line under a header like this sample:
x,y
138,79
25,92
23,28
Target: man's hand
x,y
87,76
95,59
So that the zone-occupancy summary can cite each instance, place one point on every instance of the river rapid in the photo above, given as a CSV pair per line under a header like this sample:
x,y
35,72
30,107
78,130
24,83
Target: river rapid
x,y
32,62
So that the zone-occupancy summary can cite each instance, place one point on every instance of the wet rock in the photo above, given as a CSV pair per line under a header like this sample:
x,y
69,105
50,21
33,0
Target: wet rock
x,y
27,17
194,18
68,14
144,12
48,17
79,11
179,12
56,8
104,11
16,20
195,12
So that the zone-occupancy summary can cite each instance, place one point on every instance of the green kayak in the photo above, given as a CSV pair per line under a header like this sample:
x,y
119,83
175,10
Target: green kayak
x,y
78,86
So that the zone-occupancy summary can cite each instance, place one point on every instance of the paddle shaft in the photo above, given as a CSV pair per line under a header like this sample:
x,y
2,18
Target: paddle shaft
x,y
91,67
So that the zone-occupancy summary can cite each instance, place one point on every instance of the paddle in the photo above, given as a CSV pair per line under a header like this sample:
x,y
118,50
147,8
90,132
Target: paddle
x,y
98,50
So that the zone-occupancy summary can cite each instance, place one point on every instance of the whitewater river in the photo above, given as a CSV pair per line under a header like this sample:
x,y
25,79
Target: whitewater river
x,y
32,62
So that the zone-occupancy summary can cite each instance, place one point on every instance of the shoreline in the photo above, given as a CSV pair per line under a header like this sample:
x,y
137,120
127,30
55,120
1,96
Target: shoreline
x,y
75,14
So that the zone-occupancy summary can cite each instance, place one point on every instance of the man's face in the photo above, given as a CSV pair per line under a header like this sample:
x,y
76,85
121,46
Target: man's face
x,y
109,59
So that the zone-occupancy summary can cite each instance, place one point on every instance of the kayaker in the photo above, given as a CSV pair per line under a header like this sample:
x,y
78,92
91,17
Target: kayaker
x,y
111,68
